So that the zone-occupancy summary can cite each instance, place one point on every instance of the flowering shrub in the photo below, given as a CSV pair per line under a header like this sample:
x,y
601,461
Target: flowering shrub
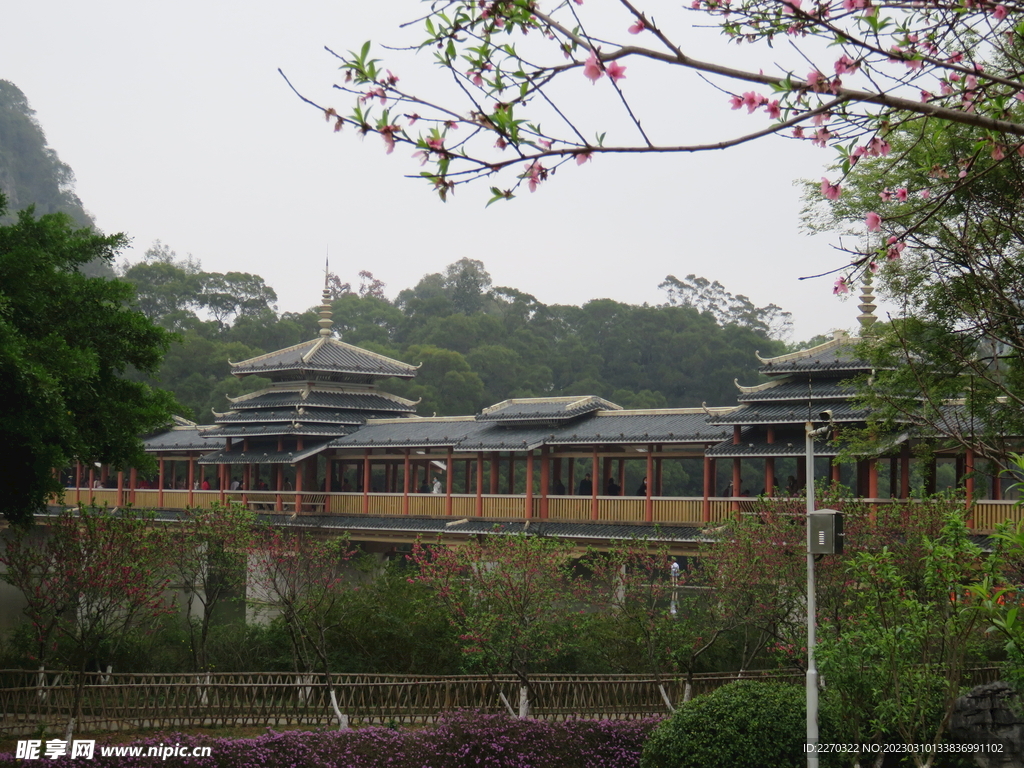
x,y
463,738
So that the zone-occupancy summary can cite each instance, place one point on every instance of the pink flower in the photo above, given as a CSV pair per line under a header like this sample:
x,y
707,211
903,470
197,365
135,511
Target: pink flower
x,y
421,156
592,69
798,132
387,133
873,266
536,173
638,27
829,190
873,221
840,286
582,158
845,64
998,152
500,143
736,102
895,248
435,142
773,110
615,71
925,194
901,194
817,81
999,12
752,101
791,6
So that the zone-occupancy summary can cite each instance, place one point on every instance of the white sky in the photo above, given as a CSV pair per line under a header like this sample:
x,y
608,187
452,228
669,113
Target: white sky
x,y
179,128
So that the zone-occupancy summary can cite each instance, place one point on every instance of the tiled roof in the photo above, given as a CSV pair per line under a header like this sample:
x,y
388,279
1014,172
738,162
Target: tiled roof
x,y
798,389
177,439
262,457
547,410
754,443
835,355
790,413
304,415
294,429
324,354
323,397
656,426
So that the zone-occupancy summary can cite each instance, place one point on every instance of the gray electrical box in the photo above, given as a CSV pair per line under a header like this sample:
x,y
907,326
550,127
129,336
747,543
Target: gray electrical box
x,y
826,532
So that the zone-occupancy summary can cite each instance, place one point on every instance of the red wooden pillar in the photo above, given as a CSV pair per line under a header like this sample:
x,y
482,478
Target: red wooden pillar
x,y
969,484
737,482
78,482
649,486
120,488
479,484
299,472
494,473
367,477
769,466
191,480
449,480
709,487
133,483
545,480
529,485
407,481
595,481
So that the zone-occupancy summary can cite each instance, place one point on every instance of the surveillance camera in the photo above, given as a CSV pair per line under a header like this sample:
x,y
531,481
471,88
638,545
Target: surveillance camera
x,y
826,416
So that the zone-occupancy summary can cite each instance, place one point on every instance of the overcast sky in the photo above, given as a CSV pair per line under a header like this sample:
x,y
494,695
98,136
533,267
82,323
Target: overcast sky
x,y
179,128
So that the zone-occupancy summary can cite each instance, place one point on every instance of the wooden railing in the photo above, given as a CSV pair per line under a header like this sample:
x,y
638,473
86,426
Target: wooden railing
x,y
31,701
985,515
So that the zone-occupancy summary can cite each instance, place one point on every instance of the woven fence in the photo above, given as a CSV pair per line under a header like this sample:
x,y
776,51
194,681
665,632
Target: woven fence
x,y
32,701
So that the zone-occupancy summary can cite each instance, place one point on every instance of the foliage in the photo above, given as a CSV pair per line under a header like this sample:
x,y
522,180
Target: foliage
x,y
93,578
670,623
31,173
67,343
207,549
511,597
461,740
301,578
898,661
957,273
746,724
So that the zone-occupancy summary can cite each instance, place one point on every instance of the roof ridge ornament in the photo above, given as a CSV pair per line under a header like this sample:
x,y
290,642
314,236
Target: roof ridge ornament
x,y
325,322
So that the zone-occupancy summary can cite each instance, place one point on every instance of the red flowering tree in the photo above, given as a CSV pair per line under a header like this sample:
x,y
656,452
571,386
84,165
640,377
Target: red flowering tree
x,y
513,598
669,614
207,551
89,579
302,578
835,73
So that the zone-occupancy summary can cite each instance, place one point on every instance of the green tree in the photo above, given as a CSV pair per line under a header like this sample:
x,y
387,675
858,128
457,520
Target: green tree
x,y
67,342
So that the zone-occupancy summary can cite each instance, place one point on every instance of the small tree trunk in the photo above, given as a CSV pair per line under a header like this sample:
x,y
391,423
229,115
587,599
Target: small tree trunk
x,y
524,701
665,698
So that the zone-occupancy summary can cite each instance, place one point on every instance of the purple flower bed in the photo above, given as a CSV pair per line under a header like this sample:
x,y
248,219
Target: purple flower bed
x,y
463,739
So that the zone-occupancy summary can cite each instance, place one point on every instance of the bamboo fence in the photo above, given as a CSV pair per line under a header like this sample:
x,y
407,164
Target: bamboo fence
x,y
33,702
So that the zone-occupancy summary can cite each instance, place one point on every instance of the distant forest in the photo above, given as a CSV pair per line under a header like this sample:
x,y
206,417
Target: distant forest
x,y
478,343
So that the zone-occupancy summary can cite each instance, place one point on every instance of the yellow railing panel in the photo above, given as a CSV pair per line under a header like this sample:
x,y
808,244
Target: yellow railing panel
x,y
687,511
344,504
988,514
426,505
505,507
385,503
620,509
569,508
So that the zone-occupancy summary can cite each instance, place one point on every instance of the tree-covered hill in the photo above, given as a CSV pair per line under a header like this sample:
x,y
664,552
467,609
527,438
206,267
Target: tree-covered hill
x,y
31,173
478,343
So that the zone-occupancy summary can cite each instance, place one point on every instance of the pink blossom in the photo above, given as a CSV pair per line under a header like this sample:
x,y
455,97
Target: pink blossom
x,y
616,71
638,27
901,194
925,194
435,142
999,12
998,152
773,110
873,266
840,286
736,102
792,6
895,248
752,101
873,221
798,132
845,64
886,195
387,133
421,156
500,143
592,69
582,158
926,95
816,80
821,118
821,137
829,190
878,147
536,173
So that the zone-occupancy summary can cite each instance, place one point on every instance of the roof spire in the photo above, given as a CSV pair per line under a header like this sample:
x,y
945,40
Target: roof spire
x,y
867,303
325,321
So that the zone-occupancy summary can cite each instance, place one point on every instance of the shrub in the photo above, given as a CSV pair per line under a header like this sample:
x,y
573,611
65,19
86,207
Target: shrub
x,y
746,724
